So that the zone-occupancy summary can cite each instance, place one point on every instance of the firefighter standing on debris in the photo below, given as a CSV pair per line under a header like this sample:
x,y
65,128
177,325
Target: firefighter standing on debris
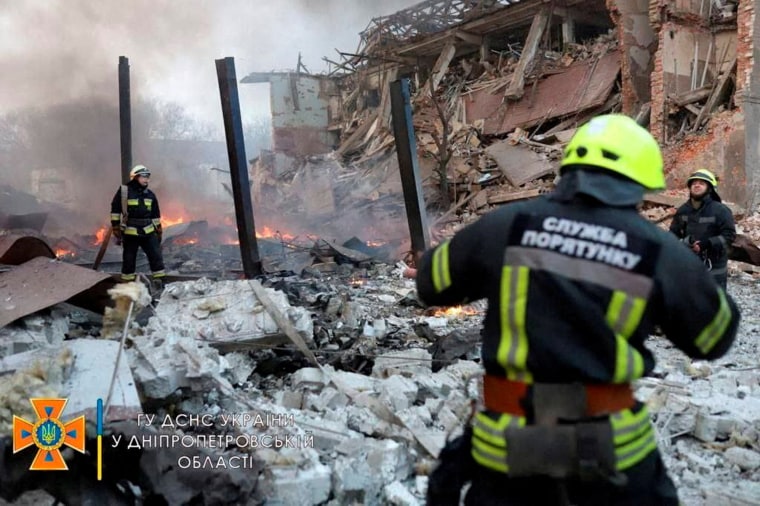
x,y
136,222
706,224
575,282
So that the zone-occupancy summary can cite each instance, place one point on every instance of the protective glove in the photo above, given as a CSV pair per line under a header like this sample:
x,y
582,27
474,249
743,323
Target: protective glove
x,y
116,231
159,233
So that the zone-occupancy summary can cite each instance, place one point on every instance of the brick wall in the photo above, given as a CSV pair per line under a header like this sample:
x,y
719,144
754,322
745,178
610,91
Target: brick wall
x,y
744,59
656,125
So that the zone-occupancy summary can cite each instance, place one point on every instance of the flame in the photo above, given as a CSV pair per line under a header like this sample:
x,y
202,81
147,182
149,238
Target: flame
x,y
376,244
100,235
267,232
63,252
168,222
181,241
456,311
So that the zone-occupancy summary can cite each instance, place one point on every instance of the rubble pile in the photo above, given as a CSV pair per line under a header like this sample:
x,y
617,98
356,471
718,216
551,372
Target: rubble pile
x,y
360,417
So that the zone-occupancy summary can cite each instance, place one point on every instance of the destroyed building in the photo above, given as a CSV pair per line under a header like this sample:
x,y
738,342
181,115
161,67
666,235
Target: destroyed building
x,y
331,346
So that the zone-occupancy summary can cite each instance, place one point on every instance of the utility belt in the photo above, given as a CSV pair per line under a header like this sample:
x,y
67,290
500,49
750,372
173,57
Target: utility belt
x,y
568,432
139,222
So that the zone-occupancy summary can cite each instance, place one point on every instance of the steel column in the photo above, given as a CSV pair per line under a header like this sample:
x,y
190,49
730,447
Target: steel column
x,y
406,150
125,119
241,189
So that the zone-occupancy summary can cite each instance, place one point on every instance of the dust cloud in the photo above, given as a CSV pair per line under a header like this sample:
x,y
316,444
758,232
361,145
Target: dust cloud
x,y
59,91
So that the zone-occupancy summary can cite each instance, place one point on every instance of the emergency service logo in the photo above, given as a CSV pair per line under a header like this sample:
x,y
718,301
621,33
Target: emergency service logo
x,y
48,434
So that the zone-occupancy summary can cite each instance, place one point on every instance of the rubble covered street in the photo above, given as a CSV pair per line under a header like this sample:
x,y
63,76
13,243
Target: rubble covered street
x,y
324,380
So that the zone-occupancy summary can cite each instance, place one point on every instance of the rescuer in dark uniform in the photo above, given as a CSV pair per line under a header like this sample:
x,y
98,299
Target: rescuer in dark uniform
x,y
575,282
706,224
140,226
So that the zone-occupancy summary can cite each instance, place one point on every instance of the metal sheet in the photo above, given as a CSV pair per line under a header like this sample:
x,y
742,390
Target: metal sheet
x,y
17,249
41,283
581,86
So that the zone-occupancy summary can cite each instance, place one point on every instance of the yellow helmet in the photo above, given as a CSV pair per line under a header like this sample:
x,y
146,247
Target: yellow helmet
x,y
704,175
617,143
139,170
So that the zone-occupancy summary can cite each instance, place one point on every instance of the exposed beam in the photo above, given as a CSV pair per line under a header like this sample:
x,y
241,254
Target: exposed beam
x,y
440,67
470,38
536,33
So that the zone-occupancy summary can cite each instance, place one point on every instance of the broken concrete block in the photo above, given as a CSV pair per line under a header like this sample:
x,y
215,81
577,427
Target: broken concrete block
x,y
747,460
308,377
327,399
362,476
354,382
709,428
162,364
398,495
398,392
241,366
293,486
410,362
289,399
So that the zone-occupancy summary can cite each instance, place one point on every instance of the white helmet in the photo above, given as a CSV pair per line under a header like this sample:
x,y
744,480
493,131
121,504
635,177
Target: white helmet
x,y
139,170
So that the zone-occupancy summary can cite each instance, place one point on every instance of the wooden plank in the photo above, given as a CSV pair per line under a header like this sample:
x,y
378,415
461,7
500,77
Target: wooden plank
x,y
716,97
501,198
691,96
440,67
536,33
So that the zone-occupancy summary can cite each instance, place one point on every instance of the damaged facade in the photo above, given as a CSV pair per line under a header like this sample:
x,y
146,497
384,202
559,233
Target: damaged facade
x,y
683,67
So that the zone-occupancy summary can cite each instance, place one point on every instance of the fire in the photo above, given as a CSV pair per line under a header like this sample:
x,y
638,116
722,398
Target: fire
x,y
100,235
456,311
181,241
63,252
267,233
168,222
376,244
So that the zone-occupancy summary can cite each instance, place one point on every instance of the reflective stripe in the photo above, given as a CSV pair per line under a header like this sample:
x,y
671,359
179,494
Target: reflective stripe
x,y
159,274
489,447
711,334
633,436
115,216
513,301
579,269
134,230
148,203
133,202
156,221
128,277
623,316
440,268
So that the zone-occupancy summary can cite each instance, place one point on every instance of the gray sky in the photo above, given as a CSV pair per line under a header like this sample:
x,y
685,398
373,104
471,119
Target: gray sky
x,y
52,51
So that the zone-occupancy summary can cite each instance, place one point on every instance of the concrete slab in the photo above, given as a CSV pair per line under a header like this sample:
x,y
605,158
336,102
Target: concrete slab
x,y
519,163
89,378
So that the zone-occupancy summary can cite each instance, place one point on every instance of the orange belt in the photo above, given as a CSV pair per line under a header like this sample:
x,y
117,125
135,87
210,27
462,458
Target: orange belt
x,y
505,396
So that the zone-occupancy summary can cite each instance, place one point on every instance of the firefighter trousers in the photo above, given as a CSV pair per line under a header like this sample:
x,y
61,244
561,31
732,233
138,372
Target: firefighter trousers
x,y
152,248
648,484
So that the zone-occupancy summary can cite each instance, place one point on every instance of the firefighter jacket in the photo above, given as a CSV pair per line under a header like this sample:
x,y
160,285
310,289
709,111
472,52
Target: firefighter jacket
x,y
575,282
143,214
712,224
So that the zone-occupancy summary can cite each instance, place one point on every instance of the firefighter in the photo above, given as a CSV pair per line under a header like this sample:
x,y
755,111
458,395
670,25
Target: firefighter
x,y
138,225
575,281
706,225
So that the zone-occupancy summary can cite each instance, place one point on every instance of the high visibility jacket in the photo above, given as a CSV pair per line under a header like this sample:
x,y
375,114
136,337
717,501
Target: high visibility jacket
x,y
143,213
712,224
574,287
